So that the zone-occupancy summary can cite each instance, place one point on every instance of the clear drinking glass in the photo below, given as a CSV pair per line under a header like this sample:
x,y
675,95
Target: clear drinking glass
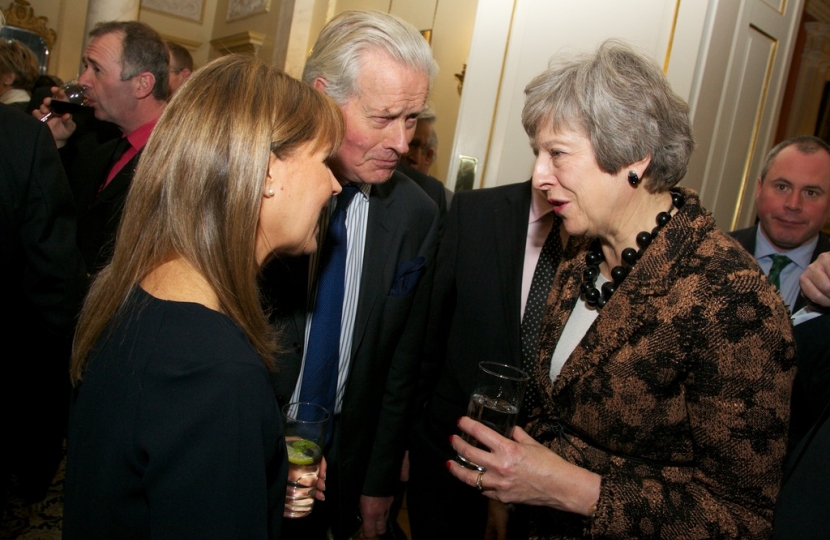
x,y
305,436
69,99
495,401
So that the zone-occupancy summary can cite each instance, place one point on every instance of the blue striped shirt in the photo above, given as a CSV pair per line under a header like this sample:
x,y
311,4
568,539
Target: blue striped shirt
x,y
356,219
800,257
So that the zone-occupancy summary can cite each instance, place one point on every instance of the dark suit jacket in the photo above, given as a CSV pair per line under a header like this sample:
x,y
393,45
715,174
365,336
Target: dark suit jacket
x,y
40,265
402,226
476,305
432,186
40,276
99,213
746,237
475,315
811,389
801,510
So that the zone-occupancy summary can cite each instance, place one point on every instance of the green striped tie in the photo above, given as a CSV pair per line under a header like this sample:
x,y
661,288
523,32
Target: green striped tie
x,y
779,262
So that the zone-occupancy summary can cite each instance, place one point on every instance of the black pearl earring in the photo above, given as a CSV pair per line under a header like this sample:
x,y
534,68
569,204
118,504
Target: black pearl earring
x,y
633,179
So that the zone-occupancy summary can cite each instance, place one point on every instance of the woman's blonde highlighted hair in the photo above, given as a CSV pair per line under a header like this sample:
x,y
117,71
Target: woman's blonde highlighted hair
x,y
198,189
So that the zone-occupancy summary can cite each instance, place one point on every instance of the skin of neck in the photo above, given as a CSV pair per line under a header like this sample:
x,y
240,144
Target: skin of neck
x,y
640,214
145,111
179,281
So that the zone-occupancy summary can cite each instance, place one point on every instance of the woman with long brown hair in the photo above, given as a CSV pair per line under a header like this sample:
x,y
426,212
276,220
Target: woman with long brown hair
x,y
174,428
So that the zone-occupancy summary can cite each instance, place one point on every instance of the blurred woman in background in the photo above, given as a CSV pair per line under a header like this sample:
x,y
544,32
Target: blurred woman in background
x,y
18,71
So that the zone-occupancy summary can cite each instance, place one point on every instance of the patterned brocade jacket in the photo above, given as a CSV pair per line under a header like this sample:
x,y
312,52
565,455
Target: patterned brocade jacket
x,y
678,395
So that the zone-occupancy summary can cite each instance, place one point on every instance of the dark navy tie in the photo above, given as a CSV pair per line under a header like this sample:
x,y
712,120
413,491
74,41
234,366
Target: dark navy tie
x,y
323,354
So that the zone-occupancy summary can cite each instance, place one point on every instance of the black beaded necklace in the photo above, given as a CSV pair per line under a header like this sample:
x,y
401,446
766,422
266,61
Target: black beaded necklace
x,y
630,256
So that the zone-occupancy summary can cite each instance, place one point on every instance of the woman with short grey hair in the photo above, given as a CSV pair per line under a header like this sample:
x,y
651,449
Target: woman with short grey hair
x,y
659,397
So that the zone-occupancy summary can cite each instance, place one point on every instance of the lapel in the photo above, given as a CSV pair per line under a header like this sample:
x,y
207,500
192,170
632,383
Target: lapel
x,y
822,246
119,184
90,172
622,317
510,216
382,223
749,242
820,427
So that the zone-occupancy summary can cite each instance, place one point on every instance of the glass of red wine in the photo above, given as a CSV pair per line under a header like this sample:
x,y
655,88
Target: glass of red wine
x,y
73,101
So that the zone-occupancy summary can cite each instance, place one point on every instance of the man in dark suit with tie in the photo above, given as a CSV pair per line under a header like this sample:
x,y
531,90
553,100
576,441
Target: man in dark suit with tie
x,y
495,267
125,78
793,200
41,276
801,509
364,359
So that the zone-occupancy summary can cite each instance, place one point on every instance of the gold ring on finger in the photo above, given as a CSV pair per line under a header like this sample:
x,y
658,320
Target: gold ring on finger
x,y
478,481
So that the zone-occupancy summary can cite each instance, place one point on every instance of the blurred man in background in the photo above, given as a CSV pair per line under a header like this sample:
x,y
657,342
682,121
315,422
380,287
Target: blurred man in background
x,y
181,65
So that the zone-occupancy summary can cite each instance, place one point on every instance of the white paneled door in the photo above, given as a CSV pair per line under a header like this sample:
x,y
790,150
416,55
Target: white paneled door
x,y
728,58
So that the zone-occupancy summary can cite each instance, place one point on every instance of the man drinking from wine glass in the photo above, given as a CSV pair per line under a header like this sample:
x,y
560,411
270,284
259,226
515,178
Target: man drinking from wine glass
x,y
125,79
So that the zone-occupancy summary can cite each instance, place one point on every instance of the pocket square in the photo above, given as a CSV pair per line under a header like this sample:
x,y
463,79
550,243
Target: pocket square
x,y
406,277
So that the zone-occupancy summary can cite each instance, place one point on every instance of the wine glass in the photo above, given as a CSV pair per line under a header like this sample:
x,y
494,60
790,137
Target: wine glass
x,y
73,102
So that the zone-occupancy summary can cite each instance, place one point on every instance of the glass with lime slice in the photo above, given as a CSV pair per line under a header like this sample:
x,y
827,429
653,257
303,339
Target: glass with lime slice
x,y
305,435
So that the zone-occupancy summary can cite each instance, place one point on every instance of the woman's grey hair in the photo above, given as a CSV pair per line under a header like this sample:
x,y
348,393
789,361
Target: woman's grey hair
x,y
337,55
623,103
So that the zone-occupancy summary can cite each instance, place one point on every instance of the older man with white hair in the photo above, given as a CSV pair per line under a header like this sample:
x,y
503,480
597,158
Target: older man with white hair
x,y
353,314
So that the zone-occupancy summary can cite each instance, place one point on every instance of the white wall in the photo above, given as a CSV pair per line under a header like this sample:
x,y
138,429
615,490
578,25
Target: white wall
x,y
537,30
727,58
743,60
67,18
451,22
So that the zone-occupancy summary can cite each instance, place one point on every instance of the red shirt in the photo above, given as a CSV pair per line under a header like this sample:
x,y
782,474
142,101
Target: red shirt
x,y
137,139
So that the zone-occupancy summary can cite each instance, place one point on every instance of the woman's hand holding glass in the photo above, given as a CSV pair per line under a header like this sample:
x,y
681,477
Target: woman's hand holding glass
x,y
520,470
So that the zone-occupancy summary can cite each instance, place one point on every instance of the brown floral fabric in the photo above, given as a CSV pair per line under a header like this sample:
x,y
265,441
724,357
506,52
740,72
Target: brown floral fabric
x,y
678,395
